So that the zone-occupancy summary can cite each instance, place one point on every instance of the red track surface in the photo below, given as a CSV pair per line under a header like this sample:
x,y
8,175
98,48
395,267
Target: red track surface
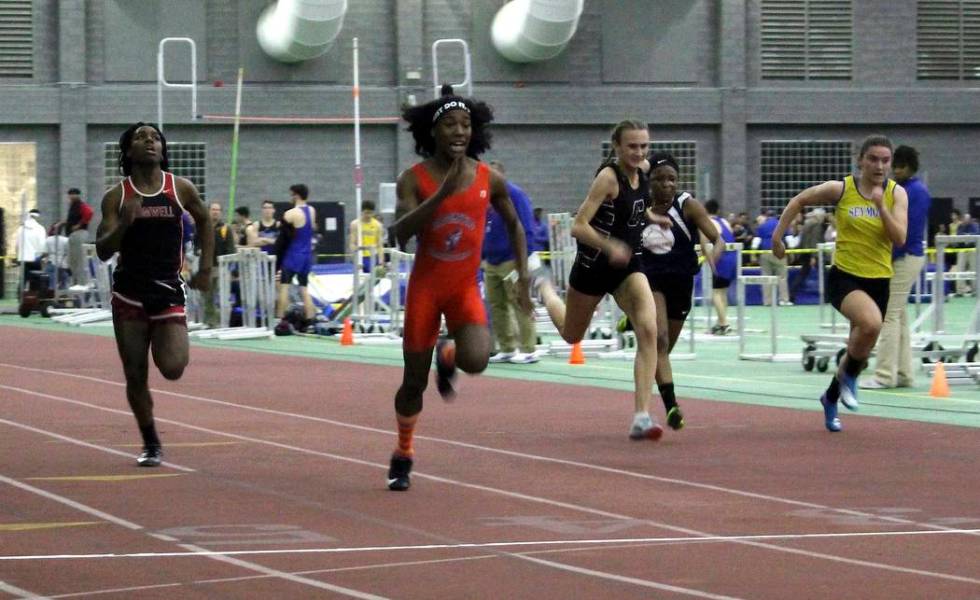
x,y
289,454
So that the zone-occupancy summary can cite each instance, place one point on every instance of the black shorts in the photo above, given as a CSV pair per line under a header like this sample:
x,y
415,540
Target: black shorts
x,y
302,278
677,289
599,279
720,283
152,295
840,284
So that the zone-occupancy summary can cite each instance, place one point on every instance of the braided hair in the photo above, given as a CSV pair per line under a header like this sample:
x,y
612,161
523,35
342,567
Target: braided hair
x,y
126,142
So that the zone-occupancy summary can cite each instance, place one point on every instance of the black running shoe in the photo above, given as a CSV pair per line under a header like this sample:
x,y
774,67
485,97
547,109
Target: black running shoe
x,y
675,419
399,473
445,370
151,456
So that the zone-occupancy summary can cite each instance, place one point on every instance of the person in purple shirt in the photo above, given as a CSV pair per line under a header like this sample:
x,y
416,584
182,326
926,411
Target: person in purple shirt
x,y
539,231
769,264
893,366
500,279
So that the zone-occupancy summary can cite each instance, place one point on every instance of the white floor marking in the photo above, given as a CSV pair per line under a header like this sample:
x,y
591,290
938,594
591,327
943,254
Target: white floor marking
x,y
213,556
486,545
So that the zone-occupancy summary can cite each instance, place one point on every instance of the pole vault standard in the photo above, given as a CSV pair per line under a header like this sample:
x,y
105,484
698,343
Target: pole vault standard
x,y
234,147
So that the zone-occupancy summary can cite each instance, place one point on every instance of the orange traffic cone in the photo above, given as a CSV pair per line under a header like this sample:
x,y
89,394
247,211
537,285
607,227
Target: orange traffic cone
x,y
576,358
940,387
347,335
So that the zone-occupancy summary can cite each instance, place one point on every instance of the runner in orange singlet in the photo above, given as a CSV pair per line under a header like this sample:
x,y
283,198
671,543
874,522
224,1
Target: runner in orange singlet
x,y
443,200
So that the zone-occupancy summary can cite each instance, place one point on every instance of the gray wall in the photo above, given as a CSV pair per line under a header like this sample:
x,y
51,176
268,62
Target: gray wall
x,y
688,67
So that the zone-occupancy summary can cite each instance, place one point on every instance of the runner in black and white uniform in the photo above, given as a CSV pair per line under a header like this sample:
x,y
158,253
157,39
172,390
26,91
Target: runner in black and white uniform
x,y
607,227
670,263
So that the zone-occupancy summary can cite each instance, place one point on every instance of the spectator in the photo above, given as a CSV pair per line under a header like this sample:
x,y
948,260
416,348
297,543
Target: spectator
x,y
769,264
372,237
297,235
264,232
79,216
500,278
726,269
539,232
224,243
241,225
29,242
56,253
810,235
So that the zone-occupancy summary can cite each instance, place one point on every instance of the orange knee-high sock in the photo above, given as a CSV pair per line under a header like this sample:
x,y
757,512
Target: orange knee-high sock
x,y
406,431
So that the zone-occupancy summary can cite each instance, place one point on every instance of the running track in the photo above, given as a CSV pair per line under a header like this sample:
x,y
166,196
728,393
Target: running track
x,y
523,489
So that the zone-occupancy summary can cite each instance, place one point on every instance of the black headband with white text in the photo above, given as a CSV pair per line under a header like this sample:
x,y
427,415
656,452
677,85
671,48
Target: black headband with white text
x,y
448,106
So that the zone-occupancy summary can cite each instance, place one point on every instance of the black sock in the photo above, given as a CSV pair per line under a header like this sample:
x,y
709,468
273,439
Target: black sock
x,y
149,434
667,394
833,390
853,366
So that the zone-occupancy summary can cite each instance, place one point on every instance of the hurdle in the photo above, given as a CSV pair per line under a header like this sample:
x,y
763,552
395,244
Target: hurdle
x,y
256,272
823,249
399,271
773,354
92,304
562,249
936,343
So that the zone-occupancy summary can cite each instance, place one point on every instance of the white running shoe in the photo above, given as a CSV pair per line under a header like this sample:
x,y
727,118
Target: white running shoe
x,y
502,357
645,428
523,359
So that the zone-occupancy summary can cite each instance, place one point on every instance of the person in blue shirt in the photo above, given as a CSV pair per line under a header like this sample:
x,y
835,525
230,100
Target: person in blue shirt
x,y
725,270
769,264
539,231
513,328
893,365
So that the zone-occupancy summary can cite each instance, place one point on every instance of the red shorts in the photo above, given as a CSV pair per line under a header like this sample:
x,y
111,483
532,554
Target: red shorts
x,y
426,302
128,309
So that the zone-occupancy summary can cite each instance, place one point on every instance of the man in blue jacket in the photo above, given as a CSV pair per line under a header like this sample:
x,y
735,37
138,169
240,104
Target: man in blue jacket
x,y
513,329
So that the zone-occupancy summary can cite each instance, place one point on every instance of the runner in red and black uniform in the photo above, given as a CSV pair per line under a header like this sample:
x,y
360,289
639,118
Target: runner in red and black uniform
x,y
443,200
142,220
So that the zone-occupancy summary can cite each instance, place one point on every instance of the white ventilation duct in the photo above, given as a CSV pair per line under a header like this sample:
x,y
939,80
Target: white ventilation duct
x,y
533,30
297,30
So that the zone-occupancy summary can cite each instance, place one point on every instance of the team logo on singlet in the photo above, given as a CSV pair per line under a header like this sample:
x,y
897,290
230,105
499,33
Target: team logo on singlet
x,y
864,211
447,231
157,212
656,239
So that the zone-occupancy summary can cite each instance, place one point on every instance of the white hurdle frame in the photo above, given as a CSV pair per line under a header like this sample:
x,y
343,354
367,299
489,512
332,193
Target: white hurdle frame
x,y
162,79
822,249
396,273
940,277
773,354
257,289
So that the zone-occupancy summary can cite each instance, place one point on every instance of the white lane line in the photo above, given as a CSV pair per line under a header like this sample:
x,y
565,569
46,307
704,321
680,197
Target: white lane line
x,y
522,455
17,592
234,561
625,579
488,545
85,444
333,456
545,501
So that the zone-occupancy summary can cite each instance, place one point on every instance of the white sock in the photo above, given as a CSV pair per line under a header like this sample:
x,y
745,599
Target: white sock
x,y
641,416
